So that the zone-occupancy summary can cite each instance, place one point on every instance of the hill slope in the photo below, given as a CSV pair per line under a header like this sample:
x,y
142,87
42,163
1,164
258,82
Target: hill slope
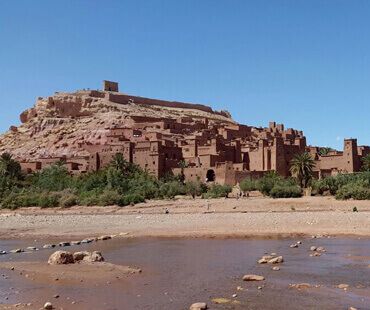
x,y
58,125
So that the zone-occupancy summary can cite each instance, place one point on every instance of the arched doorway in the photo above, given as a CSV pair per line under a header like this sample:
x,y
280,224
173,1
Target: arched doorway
x,y
210,176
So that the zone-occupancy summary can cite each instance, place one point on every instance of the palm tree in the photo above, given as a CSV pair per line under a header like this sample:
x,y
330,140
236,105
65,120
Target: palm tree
x,y
325,150
182,164
301,167
366,163
9,167
119,163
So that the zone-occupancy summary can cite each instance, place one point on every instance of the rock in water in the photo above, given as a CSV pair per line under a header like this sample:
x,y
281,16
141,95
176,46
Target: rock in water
x,y
253,277
104,238
94,257
48,306
16,251
198,306
78,256
64,244
276,260
89,257
61,258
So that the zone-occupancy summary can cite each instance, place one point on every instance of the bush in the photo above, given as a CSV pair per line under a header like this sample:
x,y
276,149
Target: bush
x,y
68,200
89,198
248,185
285,191
130,199
217,191
353,191
171,189
267,182
195,188
109,198
48,200
53,178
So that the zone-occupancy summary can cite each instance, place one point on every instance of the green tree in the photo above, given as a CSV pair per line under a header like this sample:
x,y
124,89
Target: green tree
x,y
119,163
302,168
248,185
366,163
9,167
325,150
195,188
53,178
182,164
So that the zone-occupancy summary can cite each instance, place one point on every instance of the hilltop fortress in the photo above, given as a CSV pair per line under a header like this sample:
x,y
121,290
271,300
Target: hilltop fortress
x,y
85,129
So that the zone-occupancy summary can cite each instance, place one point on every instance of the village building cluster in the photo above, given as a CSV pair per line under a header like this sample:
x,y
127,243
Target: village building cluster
x,y
201,148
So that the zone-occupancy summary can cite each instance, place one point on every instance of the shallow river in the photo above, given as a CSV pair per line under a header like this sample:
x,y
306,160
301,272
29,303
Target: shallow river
x,y
178,272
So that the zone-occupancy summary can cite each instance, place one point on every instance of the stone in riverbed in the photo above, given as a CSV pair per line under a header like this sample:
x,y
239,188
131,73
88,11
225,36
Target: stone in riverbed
x,y
16,251
48,306
78,256
262,261
276,260
87,240
64,244
295,245
253,277
75,242
89,257
320,249
31,248
48,246
3,252
343,286
198,306
94,257
104,237
61,258
313,248
276,268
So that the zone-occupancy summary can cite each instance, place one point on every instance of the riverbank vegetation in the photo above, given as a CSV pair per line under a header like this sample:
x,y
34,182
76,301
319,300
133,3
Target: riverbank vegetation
x,y
123,183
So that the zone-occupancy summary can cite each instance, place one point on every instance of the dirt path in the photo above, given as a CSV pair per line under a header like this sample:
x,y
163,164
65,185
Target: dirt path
x,y
257,216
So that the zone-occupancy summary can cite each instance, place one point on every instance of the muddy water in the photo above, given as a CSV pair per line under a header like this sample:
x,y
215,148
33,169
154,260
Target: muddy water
x,y
178,272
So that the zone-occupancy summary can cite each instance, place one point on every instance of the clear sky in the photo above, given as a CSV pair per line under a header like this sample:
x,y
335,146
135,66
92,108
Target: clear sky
x,y
303,63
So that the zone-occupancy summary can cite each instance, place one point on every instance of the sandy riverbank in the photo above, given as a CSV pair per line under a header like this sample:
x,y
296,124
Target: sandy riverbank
x,y
255,216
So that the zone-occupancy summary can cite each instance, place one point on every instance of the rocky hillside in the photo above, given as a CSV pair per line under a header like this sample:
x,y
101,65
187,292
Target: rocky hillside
x,y
58,125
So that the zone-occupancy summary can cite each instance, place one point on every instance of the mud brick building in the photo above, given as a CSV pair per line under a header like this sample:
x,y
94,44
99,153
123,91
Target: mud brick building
x,y
202,147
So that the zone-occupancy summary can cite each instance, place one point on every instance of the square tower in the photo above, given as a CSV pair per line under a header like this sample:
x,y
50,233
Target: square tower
x,y
110,86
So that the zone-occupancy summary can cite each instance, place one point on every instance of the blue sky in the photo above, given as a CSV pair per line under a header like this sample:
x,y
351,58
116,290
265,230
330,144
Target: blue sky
x,y
303,63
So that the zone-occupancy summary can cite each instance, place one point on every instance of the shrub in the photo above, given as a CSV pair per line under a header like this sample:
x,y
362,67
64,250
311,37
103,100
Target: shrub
x,y
195,188
248,185
130,199
171,189
109,198
353,191
285,191
53,178
267,182
217,191
48,200
67,200
89,198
